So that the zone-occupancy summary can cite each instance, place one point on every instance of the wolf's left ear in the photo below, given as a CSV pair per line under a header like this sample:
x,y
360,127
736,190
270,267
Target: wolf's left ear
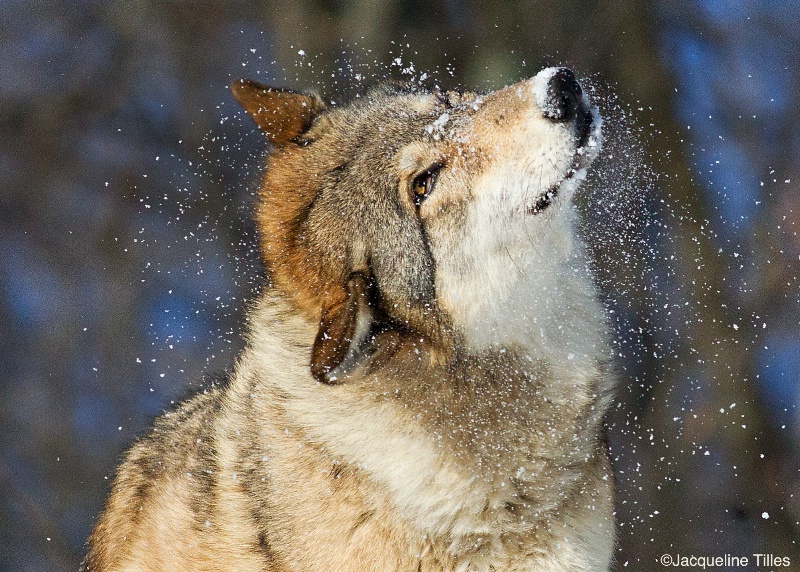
x,y
282,114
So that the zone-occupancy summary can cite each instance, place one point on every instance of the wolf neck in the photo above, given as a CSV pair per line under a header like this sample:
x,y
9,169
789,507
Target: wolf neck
x,y
534,295
458,444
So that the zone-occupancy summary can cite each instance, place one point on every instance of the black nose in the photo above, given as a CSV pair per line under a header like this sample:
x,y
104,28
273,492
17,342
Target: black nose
x,y
564,96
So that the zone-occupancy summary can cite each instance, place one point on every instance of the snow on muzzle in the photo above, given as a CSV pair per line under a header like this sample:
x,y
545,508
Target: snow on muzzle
x,y
562,100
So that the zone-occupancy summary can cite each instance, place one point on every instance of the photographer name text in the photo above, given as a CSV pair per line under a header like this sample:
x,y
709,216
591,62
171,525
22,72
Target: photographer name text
x,y
728,560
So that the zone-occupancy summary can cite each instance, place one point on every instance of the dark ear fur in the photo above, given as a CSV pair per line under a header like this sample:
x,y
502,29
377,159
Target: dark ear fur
x,y
282,114
340,333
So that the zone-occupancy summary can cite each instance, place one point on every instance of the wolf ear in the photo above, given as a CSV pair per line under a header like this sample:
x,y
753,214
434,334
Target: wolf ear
x,y
344,326
281,114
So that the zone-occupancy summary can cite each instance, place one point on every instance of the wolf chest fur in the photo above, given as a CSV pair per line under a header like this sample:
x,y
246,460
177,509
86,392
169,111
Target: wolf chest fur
x,y
426,374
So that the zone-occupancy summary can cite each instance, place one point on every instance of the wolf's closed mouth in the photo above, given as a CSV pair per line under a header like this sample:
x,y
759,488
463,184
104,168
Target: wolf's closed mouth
x,y
582,157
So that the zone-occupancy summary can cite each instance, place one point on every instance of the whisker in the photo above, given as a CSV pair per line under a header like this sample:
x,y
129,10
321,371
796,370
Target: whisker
x,y
514,262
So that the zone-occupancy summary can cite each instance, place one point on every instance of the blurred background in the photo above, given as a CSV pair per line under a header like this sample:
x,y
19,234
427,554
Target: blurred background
x,y
127,178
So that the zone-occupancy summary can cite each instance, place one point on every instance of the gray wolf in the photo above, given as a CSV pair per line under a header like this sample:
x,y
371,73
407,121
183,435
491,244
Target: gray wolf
x,y
426,374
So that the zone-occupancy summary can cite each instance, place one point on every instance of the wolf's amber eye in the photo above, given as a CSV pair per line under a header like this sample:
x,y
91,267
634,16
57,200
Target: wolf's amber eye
x,y
422,185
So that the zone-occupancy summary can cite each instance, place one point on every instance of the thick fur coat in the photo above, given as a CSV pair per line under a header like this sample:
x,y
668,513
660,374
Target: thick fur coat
x,y
425,376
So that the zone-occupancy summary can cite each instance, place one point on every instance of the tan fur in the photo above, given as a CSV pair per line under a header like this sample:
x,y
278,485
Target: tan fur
x,y
424,384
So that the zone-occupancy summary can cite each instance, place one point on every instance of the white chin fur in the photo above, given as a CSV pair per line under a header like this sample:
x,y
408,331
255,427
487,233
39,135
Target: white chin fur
x,y
584,156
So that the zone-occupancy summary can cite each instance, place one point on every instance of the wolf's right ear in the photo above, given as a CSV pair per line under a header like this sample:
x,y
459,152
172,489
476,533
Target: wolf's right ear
x,y
282,114
344,327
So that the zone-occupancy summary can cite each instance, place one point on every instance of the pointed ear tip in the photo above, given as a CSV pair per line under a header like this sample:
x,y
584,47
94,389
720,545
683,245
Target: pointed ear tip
x,y
240,86
318,371
322,365
237,88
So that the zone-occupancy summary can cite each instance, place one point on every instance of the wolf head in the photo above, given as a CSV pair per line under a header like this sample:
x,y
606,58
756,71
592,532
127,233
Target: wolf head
x,y
440,215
